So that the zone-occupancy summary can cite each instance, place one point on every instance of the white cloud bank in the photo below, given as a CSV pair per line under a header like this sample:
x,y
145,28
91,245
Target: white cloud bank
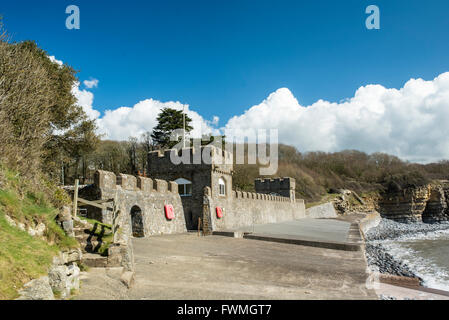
x,y
124,122
412,122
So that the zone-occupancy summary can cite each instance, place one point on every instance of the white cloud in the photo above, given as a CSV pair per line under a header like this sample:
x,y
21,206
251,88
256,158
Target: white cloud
x,y
411,122
121,123
93,83
85,100
54,60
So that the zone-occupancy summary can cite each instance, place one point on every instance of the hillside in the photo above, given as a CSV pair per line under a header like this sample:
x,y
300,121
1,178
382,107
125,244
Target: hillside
x,y
23,212
318,173
41,129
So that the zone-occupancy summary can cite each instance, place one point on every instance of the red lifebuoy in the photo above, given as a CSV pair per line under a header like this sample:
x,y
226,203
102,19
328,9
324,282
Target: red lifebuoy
x,y
219,213
169,212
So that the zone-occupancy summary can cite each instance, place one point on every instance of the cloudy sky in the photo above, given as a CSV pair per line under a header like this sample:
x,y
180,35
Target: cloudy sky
x,y
310,69
411,122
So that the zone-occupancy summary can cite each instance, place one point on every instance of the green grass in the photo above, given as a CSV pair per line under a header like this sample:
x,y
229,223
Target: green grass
x,y
23,257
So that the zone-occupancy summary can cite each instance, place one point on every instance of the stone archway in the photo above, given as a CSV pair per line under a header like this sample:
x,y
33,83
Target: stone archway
x,y
137,222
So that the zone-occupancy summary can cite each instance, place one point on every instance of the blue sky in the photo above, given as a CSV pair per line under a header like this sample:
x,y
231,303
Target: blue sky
x,y
222,57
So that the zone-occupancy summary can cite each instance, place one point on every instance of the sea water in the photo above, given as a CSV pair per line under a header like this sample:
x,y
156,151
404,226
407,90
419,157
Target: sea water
x,y
427,255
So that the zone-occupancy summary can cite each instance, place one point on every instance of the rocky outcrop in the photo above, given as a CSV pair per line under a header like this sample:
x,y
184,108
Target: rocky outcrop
x,y
437,205
349,202
37,289
420,204
64,279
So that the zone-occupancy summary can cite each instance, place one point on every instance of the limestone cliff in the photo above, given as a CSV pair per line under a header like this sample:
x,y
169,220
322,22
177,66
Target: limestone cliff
x,y
427,204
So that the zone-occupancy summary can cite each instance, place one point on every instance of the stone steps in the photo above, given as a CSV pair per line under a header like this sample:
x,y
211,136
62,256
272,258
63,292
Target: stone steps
x,y
90,244
80,231
94,260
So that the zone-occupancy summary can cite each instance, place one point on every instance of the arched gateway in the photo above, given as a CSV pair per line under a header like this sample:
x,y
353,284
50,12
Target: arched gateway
x,y
137,222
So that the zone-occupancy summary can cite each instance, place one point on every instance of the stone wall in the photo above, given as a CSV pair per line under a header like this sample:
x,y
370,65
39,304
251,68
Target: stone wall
x,y
241,209
149,197
282,186
371,220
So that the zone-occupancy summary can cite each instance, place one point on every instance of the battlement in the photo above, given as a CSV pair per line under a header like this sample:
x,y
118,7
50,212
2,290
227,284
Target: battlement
x,y
205,155
282,186
275,185
108,180
259,196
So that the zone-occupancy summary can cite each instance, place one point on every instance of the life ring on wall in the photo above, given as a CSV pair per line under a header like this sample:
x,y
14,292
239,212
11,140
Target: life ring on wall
x,y
169,212
219,213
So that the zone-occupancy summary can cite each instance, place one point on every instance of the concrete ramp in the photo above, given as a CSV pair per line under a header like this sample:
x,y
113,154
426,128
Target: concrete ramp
x,y
322,233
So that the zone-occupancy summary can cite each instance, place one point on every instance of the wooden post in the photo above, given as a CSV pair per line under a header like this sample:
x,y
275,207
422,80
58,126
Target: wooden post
x,y
199,226
75,198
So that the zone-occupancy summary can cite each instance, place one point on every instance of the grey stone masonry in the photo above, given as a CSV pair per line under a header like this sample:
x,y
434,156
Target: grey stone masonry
x,y
141,201
281,186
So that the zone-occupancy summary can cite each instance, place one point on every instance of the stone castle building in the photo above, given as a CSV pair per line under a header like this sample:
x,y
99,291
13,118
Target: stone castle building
x,y
198,188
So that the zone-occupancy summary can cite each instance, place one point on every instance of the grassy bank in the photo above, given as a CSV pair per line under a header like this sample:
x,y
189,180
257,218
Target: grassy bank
x,y
23,257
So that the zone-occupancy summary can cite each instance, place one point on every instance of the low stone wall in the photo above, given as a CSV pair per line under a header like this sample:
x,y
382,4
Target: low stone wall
x,y
370,221
326,210
242,209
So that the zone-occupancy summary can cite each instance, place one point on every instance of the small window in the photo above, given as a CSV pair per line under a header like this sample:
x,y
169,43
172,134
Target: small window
x,y
184,187
222,187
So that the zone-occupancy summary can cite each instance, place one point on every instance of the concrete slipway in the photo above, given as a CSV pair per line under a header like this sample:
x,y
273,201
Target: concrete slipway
x,y
186,266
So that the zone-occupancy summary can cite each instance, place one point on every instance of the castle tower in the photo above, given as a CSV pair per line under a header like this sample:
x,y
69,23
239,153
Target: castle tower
x,y
194,169
284,187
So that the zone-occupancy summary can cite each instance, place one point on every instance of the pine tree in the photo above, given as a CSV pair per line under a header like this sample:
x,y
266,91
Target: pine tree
x,y
168,121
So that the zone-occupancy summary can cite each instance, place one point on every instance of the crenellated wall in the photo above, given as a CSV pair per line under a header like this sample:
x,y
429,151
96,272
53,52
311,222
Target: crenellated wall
x,y
282,186
241,209
147,197
132,194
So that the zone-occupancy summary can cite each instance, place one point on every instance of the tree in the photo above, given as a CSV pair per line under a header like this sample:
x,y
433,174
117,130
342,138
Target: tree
x,y
41,125
132,155
146,146
168,121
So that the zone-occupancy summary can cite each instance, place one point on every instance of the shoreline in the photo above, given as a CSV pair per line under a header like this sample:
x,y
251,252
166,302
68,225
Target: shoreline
x,y
379,260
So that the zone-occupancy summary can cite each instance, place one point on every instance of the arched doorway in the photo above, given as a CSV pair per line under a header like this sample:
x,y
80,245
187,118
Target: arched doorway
x,y
137,222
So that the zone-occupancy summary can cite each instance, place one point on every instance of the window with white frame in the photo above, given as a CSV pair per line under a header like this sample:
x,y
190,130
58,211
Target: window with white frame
x,y
184,187
221,187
